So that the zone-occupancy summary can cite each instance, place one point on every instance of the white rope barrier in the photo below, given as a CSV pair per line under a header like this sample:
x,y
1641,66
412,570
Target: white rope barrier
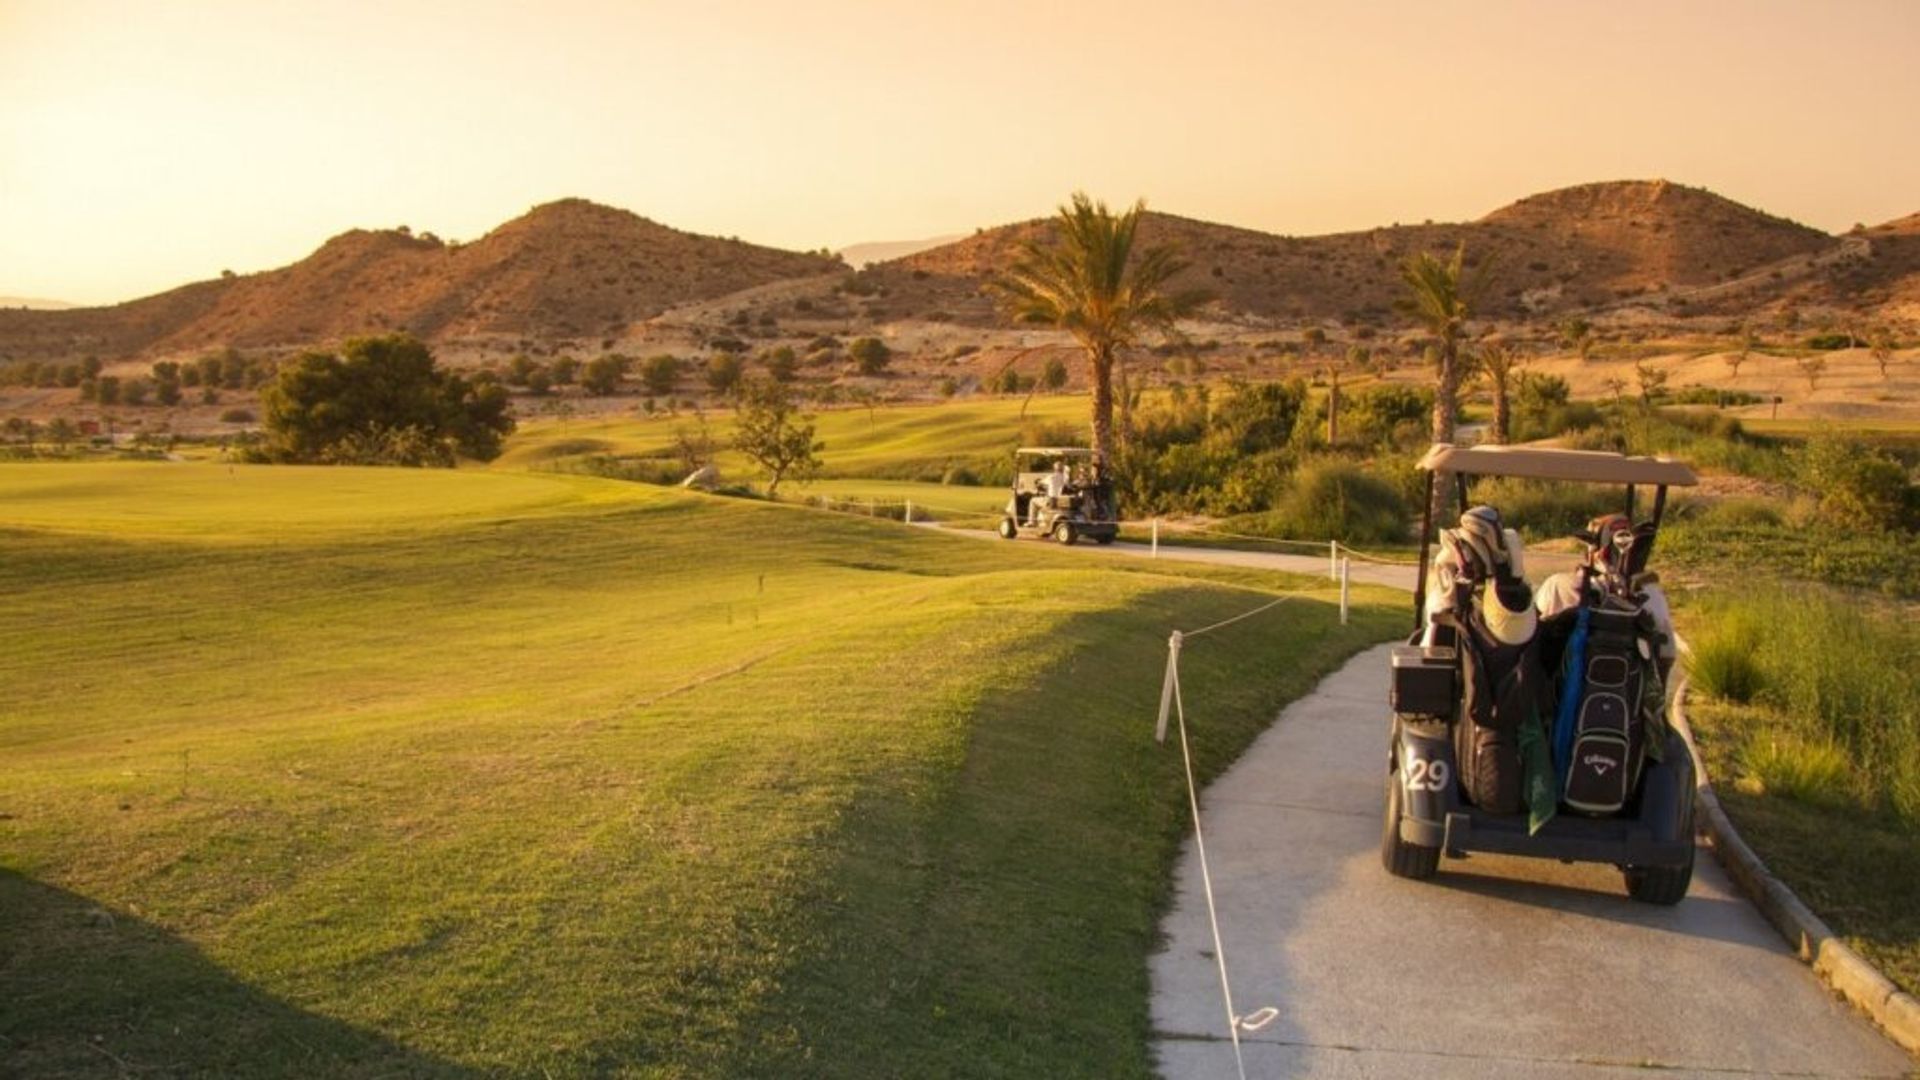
x,y
1173,702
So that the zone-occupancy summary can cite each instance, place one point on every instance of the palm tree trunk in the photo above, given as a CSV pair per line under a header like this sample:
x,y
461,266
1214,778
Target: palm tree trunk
x,y
1102,363
1446,411
1333,409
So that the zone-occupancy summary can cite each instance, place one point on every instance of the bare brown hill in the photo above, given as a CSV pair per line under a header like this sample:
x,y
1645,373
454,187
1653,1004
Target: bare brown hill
x,y
568,269
1580,247
1880,281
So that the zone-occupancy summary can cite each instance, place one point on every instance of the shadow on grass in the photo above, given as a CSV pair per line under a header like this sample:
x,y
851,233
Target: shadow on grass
x,y
87,991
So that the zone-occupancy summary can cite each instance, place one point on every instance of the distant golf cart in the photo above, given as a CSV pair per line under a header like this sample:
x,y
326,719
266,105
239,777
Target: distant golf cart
x,y
1083,510
1593,663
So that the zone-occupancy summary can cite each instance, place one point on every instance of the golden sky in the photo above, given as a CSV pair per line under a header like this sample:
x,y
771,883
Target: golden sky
x,y
147,144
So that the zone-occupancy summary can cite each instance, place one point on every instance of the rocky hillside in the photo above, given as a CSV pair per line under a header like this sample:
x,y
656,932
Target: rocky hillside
x,y
566,270
574,274
1577,248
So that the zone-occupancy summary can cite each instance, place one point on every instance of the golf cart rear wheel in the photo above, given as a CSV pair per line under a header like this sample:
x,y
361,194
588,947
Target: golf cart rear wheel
x,y
1064,533
1659,884
1008,530
1402,859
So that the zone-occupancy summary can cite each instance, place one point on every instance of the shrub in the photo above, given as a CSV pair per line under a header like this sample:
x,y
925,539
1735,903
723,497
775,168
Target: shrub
x,y
1816,773
563,369
1857,487
1544,509
870,355
1723,664
602,377
781,363
660,374
236,416
1830,342
1336,499
1054,375
723,372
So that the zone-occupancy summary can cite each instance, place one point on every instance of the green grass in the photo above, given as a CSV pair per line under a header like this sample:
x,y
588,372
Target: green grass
x,y
1808,712
965,504
905,442
356,772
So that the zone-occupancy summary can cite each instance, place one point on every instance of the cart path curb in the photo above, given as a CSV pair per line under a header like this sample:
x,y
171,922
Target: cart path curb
x,y
1833,960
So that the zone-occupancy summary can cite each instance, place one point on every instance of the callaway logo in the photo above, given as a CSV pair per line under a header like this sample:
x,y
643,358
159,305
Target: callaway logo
x,y
1598,763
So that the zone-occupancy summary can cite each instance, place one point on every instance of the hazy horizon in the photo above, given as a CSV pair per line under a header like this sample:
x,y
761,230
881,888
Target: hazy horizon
x,y
144,148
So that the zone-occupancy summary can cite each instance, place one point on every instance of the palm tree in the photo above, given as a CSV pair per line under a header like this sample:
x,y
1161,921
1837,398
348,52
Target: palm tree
x,y
1091,285
1440,295
1500,363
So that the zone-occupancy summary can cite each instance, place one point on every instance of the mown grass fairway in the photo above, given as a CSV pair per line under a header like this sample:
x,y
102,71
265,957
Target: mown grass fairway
x,y
351,772
895,441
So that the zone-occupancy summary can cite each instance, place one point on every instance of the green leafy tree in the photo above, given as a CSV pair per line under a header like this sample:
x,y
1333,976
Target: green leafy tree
x,y
1089,283
770,429
603,374
61,432
107,390
724,371
660,374
870,355
381,399
1054,375
782,363
563,370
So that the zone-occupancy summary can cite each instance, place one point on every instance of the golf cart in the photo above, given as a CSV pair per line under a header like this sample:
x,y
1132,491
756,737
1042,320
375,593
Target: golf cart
x,y
1083,506
1594,773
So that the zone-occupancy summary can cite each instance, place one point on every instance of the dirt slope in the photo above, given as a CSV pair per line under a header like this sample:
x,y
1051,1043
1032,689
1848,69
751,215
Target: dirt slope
x,y
568,269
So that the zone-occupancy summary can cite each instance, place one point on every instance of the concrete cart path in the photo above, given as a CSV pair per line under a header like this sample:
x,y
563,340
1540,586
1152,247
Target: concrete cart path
x,y
1498,967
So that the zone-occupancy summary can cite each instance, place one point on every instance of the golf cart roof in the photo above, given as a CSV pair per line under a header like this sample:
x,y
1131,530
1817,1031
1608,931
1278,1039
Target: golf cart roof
x,y
1053,451
1546,463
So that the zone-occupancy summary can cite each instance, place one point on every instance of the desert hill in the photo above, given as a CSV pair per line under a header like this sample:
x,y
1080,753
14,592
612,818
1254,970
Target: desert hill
x,y
572,272
568,269
1581,247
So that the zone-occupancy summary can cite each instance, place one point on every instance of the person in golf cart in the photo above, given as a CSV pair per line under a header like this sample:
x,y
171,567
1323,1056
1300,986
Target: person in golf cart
x,y
1054,487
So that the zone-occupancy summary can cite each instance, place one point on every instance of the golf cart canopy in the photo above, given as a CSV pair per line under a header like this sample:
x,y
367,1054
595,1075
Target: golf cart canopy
x,y
1542,463
1053,451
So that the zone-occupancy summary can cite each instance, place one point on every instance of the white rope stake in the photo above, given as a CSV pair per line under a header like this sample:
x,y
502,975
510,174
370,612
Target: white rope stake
x,y
1235,1022
1333,560
1345,584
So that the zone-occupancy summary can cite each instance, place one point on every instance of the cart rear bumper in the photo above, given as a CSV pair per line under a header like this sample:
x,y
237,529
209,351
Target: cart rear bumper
x,y
1616,841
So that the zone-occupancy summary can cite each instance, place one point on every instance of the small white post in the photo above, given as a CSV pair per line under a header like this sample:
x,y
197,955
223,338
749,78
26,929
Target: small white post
x,y
1166,687
1333,560
909,511
1343,592
1156,539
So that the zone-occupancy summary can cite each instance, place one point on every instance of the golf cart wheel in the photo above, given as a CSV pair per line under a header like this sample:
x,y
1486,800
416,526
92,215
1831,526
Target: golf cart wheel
x,y
1064,533
1666,885
1402,859
1007,529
